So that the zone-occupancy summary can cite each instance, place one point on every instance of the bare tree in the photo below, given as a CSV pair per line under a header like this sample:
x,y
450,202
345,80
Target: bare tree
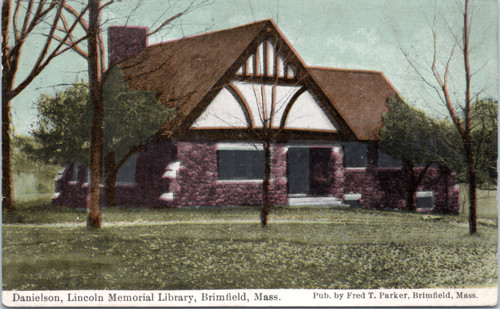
x,y
268,135
21,20
440,82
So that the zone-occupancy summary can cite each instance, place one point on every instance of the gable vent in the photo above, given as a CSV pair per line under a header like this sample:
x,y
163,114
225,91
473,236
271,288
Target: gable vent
x,y
269,61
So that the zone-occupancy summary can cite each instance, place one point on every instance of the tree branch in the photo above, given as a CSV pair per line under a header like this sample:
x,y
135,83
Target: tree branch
x,y
78,16
447,70
43,59
14,19
15,52
28,13
73,46
106,4
168,21
444,88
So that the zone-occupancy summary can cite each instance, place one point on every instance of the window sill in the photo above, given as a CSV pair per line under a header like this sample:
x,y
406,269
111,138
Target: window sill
x,y
240,181
391,168
424,209
118,184
126,184
355,169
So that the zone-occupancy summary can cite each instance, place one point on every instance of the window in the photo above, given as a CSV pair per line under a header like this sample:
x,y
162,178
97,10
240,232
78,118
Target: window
x,y
355,155
74,172
77,173
385,160
126,173
425,200
240,164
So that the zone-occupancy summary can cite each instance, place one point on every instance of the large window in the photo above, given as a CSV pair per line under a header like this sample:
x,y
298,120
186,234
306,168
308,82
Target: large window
x,y
125,175
355,155
386,161
240,164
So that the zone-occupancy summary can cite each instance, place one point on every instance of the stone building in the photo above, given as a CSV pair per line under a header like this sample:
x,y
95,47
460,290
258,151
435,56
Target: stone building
x,y
235,88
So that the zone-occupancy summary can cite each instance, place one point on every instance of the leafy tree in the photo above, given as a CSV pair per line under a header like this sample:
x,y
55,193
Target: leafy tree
x,y
419,140
484,116
484,143
131,119
63,131
409,134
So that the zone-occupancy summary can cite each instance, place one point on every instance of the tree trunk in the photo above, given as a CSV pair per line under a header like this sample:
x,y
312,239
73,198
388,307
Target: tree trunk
x,y
472,191
110,170
94,207
414,182
7,85
265,185
412,187
7,186
411,199
467,138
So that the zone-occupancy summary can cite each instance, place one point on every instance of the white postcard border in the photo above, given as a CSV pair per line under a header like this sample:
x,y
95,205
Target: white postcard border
x,y
435,297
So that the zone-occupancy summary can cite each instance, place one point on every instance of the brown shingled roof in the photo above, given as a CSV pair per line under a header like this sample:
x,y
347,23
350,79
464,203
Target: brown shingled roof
x,y
359,96
186,72
183,71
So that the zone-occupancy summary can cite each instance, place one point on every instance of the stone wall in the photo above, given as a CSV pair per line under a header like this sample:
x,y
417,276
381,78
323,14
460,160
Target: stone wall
x,y
387,188
68,192
148,186
336,167
279,183
196,183
150,168
199,184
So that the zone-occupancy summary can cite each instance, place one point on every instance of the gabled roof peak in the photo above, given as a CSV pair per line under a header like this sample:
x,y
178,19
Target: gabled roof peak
x,y
256,24
346,70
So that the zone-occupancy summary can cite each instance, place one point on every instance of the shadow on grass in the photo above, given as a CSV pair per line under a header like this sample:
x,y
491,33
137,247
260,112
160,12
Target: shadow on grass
x,y
41,210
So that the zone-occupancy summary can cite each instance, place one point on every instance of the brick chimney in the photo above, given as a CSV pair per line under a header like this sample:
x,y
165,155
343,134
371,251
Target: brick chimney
x,y
125,41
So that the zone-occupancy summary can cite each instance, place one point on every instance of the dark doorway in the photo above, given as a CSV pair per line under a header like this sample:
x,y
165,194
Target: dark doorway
x,y
319,177
298,170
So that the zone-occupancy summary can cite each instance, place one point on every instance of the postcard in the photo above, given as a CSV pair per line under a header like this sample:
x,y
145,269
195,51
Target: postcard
x,y
249,153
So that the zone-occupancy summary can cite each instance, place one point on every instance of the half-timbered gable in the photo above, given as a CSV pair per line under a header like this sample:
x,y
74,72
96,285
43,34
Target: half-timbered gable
x,y
269,91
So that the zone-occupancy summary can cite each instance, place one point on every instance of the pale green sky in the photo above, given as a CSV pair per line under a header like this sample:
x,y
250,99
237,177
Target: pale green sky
x,y
353,34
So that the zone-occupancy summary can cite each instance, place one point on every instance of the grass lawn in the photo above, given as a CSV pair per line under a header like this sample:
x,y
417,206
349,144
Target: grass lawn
x,y
303,247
